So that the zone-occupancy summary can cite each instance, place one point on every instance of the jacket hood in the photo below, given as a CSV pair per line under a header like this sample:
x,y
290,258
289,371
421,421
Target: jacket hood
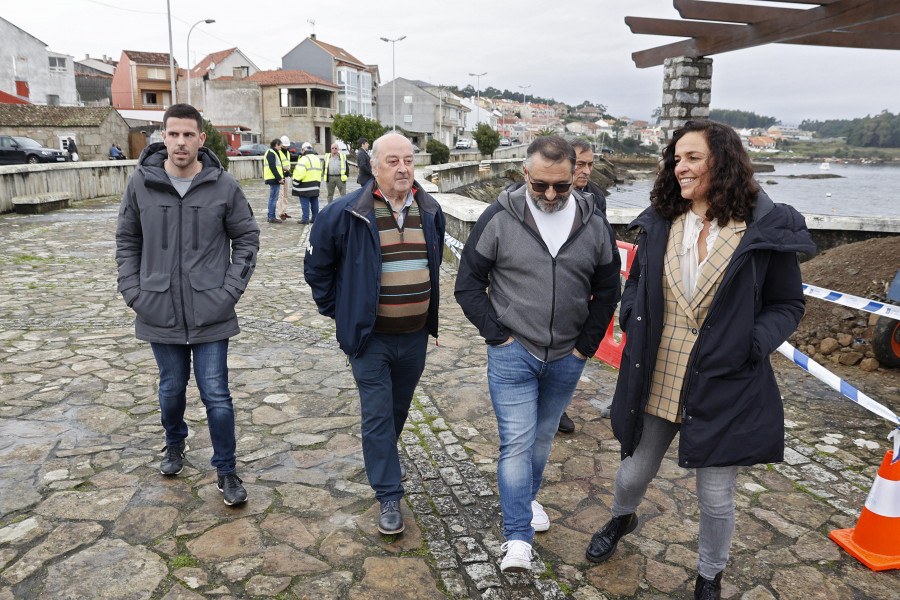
x,y
154,156
513,199
771,227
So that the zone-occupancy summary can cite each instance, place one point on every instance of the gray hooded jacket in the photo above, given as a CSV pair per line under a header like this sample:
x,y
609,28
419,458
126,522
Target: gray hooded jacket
x,y
509,284
184,262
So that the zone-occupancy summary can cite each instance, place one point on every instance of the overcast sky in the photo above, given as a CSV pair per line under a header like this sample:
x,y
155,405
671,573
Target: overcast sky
x,y
571,51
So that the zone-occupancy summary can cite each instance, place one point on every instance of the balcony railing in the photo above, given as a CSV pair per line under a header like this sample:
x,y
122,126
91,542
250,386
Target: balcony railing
x,y
305,111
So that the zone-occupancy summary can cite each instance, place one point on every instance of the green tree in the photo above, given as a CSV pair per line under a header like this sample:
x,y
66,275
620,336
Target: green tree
x,y
215,141
439,152
352,127
742,119
546,131
487,139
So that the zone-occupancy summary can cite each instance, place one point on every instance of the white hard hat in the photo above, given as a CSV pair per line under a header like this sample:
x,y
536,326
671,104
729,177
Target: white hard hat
x,y
306,146
285,140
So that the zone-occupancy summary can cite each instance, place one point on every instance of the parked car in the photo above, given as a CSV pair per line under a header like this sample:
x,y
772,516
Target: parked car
x,y
229,151
253,149
415,148
515,140
463,144
505,142
18,150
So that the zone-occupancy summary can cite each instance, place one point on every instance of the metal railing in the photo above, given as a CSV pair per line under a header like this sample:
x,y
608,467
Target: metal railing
x,y
306,111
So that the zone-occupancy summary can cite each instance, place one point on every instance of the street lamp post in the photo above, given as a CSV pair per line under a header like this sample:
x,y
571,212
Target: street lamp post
x,y
189,53
171,53
478,77
523,88
394,78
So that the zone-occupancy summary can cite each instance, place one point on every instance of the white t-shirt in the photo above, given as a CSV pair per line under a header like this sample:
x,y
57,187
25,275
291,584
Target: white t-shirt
x,y
553,227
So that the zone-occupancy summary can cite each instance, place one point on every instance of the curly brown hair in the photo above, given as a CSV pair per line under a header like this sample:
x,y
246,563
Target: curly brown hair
x,y
732,191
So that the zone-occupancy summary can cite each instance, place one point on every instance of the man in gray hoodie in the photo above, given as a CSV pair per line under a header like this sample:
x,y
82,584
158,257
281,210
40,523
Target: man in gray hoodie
x,y
539,278
186,246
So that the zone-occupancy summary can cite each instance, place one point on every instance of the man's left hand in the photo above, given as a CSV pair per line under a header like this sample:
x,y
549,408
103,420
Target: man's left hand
x,y
579,354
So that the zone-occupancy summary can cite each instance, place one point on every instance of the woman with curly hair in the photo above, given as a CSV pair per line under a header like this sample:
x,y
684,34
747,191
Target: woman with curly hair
x,y
714,289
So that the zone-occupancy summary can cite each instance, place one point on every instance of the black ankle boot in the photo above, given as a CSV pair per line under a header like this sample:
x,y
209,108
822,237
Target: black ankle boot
x,y
705,589
603,543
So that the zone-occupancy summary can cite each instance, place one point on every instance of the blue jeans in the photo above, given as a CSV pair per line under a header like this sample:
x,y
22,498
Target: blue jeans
x,y
529,397
274,190
306,204
211,374
386,373
715,493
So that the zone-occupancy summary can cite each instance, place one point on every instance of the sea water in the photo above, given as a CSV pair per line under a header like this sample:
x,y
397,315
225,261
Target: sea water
x,y
859,190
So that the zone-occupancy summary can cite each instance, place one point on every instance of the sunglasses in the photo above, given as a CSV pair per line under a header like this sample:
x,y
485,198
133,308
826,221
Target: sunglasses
x,y
559,188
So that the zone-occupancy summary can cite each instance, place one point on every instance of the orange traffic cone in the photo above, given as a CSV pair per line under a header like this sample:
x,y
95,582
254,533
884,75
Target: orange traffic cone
x,y
875,541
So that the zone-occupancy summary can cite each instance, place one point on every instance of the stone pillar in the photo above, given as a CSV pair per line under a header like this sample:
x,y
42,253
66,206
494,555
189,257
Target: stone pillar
x,y
687,86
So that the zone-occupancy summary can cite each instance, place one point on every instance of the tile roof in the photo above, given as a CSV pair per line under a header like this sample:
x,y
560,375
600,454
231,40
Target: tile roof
x,y
203,67
282,77
337,52
148,58
61,116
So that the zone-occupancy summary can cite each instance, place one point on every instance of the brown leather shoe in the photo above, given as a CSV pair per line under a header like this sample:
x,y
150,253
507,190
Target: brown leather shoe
x,y
284,216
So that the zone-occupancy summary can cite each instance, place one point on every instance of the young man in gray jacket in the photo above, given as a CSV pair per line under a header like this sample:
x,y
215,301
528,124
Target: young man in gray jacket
x,y
539,278
186,246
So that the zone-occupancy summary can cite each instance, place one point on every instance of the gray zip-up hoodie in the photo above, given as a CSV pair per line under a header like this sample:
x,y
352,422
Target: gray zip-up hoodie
x,y
184,262
509,285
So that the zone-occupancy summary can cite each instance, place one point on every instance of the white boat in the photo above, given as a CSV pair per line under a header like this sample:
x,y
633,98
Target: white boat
x,y
825,166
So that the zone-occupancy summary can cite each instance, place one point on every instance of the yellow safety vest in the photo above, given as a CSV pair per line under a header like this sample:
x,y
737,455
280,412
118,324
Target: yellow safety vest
x,y
343,167
279,165
309,168
285,160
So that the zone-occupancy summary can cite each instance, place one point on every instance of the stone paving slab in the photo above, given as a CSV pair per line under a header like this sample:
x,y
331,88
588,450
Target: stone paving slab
x,y
84,512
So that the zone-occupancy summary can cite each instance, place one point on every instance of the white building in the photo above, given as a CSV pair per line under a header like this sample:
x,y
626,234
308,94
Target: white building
x,y
29,71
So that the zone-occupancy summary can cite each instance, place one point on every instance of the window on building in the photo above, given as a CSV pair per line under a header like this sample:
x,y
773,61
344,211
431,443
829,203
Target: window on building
x,y
52,100
285,99
157,73
58,63
241,73
151,98
318,135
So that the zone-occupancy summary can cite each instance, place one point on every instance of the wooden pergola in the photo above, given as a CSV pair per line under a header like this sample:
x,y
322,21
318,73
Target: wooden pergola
x,y
717,27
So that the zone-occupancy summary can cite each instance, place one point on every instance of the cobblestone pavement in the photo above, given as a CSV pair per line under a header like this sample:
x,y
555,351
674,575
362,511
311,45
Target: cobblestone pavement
x,y
84,512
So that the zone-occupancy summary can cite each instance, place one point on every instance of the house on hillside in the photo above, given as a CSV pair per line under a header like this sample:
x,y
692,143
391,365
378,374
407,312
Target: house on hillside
x,y
31,72
425,110
761,144
588,113
143,80
223,66
356,81
93,80
297,104
92,128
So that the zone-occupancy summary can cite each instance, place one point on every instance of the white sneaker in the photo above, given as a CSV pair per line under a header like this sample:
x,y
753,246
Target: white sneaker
x,y
518,557
539,519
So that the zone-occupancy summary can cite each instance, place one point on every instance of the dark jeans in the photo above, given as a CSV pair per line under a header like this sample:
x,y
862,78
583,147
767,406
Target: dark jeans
x,y
309,203
211,374
386,374
274,190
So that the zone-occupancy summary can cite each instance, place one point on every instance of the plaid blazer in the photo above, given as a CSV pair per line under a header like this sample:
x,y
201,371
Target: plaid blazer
x,y
684,315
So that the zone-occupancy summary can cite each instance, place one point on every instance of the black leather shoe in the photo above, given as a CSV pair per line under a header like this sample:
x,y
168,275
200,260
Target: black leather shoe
x,y
173,462
231,488
603,543
391,521
705,589
566,425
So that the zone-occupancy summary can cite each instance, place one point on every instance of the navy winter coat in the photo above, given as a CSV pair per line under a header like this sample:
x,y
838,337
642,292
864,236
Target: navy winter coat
x,y
731,406
343,263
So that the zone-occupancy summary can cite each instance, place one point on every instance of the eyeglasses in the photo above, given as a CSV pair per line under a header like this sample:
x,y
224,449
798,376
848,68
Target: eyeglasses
x,y
559,188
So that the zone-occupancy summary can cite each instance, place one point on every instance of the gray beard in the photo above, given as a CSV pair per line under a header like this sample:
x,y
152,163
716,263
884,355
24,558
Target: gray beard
x,y
539,204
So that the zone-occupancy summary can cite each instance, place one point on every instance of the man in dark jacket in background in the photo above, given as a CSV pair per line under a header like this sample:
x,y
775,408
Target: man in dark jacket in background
x,y
186,246
362,160
373,264
584,165
539,278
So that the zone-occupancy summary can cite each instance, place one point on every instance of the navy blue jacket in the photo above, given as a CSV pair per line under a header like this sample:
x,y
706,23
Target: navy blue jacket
x,y
731,406
343,263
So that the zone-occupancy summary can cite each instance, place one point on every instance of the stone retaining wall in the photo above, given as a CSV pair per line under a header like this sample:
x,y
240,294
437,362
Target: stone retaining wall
x,y
90,179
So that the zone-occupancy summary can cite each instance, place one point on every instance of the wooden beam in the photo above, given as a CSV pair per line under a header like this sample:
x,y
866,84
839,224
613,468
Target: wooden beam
x,y
814,21
691,29
741,13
